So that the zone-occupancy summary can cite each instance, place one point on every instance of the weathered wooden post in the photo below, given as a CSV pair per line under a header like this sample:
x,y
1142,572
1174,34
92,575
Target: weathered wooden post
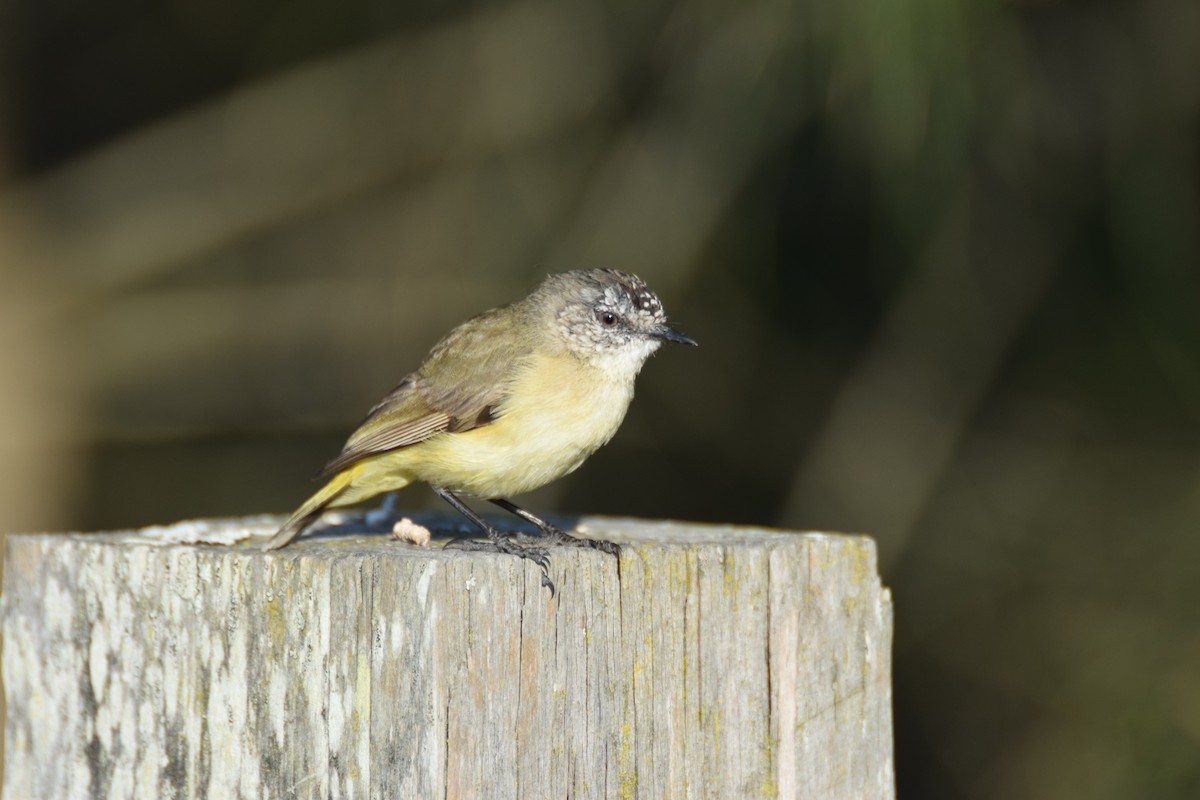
x,y
721,662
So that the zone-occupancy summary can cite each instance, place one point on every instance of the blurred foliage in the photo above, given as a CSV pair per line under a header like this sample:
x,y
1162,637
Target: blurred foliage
x,y
942,258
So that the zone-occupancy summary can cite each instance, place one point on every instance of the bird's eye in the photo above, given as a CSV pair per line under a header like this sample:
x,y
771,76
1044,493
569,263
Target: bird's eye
x,y
607,318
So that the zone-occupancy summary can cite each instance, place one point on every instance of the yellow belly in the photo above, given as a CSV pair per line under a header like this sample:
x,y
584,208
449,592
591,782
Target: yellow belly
x,y
559,413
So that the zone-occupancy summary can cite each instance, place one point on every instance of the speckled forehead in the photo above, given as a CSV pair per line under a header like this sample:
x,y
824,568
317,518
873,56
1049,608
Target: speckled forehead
x,y
636,293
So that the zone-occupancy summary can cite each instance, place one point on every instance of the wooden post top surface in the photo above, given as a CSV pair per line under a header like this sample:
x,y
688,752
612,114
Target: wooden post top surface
x,y
350,530
707,661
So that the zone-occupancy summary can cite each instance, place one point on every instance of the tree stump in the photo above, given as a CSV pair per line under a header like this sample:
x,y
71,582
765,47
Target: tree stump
x,y
707,661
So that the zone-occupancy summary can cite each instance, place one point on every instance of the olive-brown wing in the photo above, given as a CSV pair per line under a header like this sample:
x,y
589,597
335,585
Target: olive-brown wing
x,y
462,382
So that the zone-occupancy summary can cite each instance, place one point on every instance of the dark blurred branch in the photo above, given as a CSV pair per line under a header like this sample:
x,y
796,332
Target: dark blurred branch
x,y
896,422
329,130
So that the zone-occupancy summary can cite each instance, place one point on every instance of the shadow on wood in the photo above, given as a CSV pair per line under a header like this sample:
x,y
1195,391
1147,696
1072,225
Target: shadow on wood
x,y
709,662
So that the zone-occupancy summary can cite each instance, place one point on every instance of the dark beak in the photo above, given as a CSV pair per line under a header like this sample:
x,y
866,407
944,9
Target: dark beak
x,y
668,334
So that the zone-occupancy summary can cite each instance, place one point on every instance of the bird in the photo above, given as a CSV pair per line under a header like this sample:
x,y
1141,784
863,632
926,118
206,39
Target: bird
x,y
508,401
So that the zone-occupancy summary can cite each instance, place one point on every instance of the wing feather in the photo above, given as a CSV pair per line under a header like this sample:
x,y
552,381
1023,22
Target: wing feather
x,y
460,386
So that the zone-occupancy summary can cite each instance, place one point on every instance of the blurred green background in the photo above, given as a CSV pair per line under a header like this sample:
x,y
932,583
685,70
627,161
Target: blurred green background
x,y
943,259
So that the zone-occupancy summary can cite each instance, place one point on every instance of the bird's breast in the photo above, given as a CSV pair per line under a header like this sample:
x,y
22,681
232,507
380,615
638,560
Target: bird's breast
x,y
563,403
558,411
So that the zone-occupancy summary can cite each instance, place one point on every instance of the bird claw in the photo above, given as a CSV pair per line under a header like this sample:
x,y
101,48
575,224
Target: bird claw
x,y
611,548
554,535
538,555
534,547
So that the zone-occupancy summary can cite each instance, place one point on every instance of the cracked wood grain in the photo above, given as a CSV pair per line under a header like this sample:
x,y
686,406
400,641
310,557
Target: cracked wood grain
x,y
721,662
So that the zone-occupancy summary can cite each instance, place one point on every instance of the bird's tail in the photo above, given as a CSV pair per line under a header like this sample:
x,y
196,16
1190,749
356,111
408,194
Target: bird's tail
x,y
312,508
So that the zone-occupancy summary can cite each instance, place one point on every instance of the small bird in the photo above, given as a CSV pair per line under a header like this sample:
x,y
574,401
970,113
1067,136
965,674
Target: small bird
x,y
508,401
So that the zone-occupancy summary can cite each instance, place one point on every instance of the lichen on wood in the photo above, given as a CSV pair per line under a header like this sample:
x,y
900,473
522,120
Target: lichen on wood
x,y
709,662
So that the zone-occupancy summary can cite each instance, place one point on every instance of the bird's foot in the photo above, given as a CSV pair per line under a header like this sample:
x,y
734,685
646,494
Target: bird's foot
x,y
505,544
553,535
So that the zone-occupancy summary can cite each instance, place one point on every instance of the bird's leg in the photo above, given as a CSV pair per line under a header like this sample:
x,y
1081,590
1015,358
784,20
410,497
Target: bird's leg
x,y
497,541
554,534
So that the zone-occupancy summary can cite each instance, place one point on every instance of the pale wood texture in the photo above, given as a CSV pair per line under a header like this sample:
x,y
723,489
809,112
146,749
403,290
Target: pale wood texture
x,y
712,662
